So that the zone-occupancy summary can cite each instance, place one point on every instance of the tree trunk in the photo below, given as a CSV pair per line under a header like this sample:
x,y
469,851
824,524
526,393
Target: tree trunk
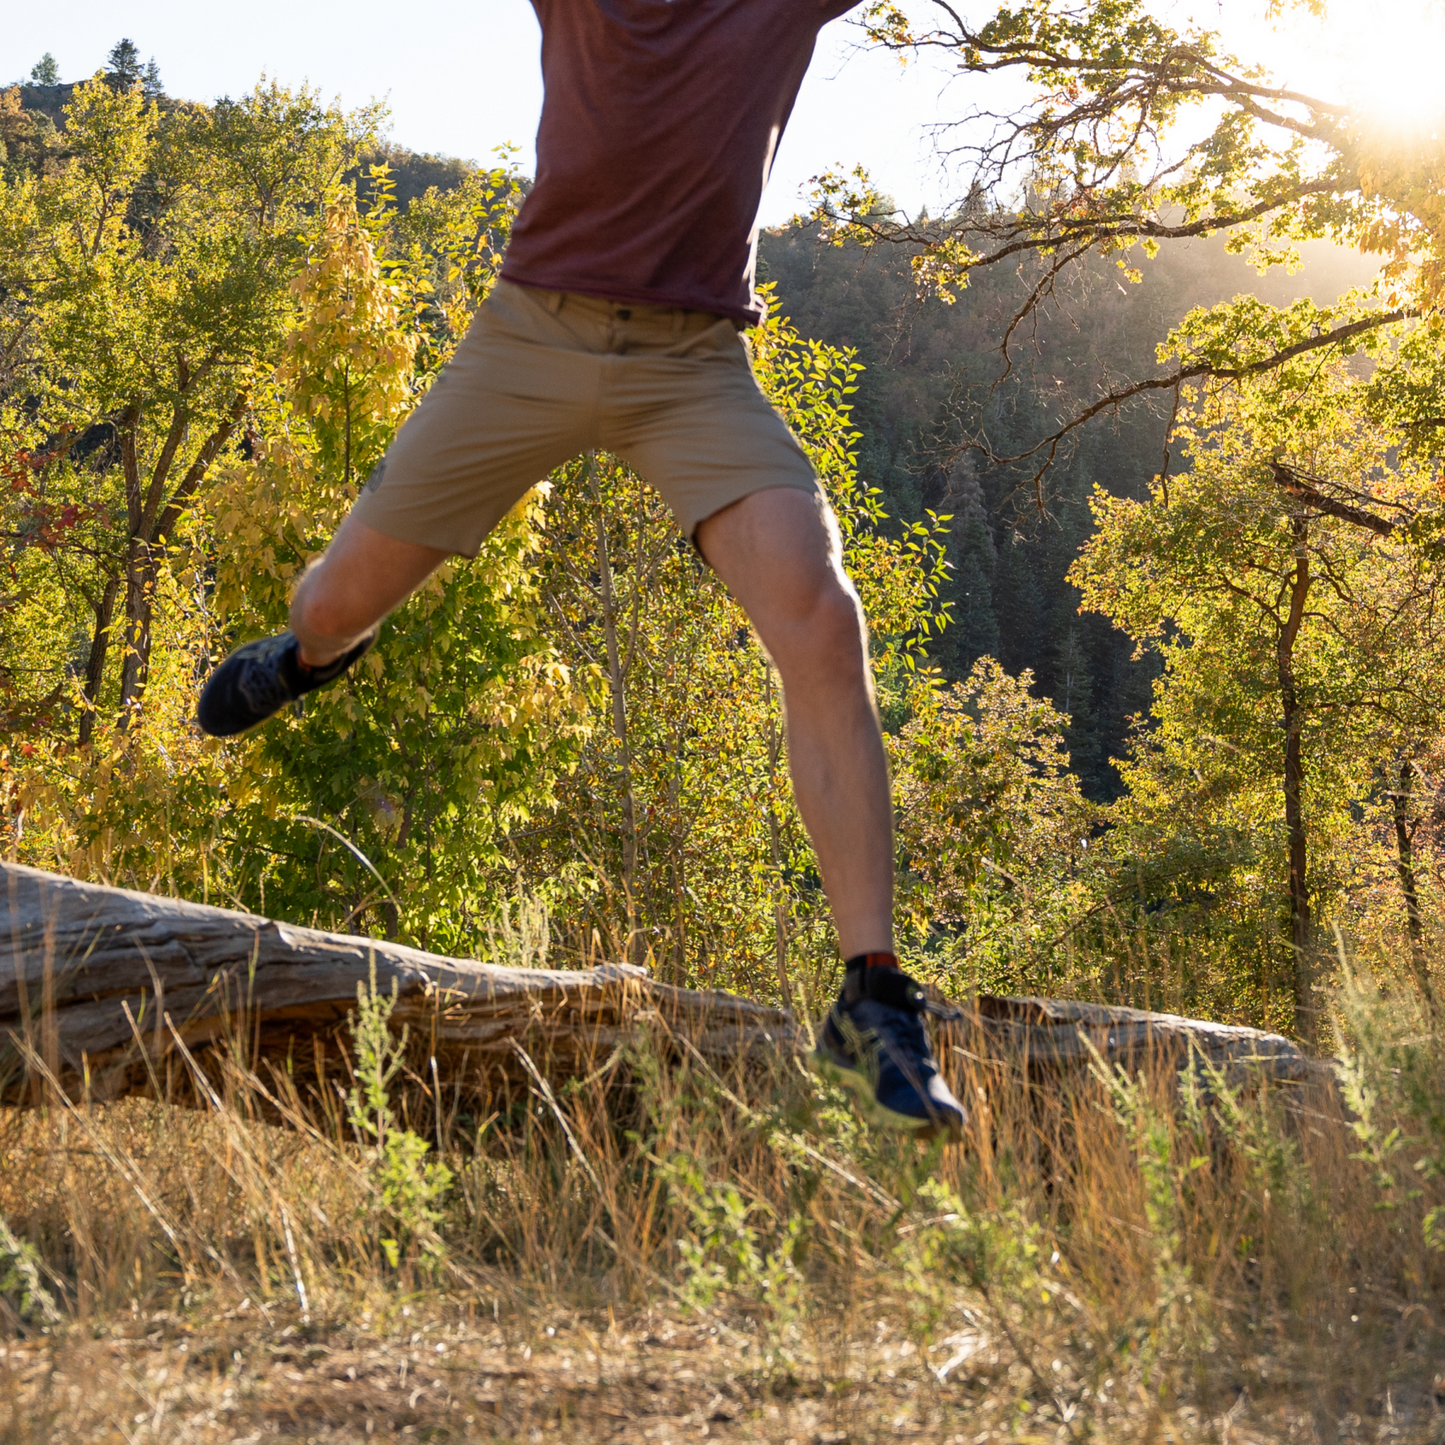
x,y
101,984
1405,867
677,864
1306,1022
95,663
141,576
152,519
135,531
617,687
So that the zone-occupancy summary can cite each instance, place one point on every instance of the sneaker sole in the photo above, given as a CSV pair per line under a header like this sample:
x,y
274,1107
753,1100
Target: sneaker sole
x,y
862,1093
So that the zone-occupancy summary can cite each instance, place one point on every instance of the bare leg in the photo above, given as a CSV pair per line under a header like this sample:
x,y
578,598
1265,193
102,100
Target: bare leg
x,y
364,575
779,554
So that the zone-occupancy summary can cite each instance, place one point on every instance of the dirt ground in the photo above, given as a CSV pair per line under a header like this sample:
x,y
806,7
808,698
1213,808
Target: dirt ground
x,y
243,1380
240,1380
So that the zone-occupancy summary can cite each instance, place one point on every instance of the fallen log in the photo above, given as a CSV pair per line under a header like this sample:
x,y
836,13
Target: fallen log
x,y
99,983
1052,1035
89,975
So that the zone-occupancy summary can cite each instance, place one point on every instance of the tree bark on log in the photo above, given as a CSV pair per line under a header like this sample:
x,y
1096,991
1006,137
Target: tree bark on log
x,y
97,982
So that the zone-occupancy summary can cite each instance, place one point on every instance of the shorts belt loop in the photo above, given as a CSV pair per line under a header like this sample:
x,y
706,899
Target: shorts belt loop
x,y
553,300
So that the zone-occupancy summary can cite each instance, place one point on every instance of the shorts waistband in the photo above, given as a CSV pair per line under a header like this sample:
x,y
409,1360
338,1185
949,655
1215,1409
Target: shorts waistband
x,y
599,308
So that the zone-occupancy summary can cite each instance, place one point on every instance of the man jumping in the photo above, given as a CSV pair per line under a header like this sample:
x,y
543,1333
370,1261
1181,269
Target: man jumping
x,y
615,326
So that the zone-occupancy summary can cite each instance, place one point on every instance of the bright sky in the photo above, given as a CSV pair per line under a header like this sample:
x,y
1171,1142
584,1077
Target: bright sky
x,y
1385,55
462,76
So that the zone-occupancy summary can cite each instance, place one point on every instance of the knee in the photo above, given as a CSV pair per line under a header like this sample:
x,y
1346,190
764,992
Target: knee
x,y
840,614
829,633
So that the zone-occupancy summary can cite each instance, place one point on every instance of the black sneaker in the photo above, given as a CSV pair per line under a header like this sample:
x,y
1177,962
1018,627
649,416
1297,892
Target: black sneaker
x,y
874,1044
260,678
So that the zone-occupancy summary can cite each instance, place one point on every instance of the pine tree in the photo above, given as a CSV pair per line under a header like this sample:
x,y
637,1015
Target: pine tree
x,y
974,633
45,71
1018,604
124,64
1074,695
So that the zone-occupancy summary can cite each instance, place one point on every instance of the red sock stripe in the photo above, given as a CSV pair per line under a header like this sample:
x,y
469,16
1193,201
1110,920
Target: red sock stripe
x,y
874,960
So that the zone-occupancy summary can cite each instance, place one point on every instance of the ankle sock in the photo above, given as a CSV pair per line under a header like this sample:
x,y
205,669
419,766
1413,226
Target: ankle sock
x,y
861,961
880,977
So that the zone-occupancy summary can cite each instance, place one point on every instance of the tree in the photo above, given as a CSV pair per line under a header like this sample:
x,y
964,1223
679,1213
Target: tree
x,y
975,632
125,68
1300,649
45,71
992,827
148,294
145,295
1075,701
29,143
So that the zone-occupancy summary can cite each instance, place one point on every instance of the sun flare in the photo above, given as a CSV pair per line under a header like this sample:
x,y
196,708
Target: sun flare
x,y
1389,57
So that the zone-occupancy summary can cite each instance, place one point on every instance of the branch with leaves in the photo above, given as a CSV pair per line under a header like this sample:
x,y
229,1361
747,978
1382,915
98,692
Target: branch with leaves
x,y
1107,156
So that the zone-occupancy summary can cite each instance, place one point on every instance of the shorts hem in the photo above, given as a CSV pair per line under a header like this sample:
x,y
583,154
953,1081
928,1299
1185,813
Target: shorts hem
x,y
421,533
730,495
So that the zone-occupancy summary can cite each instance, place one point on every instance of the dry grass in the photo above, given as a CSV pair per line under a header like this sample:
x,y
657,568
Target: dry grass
x,y
697,1257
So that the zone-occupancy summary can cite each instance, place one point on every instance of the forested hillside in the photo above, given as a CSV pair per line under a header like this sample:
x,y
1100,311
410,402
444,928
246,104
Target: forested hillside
x,y
936,383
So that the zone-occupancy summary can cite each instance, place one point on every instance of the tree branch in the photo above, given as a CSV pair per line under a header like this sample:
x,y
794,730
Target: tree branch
x,y
1294,483
196,474
1205,369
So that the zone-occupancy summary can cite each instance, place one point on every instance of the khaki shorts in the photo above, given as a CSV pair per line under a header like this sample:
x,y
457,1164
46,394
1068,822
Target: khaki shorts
x,y
545,375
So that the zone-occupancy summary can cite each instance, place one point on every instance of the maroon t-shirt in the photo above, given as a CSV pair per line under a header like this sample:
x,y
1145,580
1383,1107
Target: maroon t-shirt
x,y
659,125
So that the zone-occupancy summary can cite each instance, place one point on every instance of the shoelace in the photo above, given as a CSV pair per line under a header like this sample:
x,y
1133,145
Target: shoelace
x,y
263,680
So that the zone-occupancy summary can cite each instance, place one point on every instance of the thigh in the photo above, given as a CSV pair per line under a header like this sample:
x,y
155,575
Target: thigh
x,y
698,427
510,407
779,553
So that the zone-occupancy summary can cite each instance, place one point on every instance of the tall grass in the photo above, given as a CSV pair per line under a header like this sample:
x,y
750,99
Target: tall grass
x,y
1108,1255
